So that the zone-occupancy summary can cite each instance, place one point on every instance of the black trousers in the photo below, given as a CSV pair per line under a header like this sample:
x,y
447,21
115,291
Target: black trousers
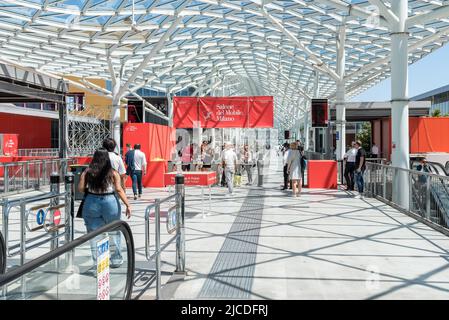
x,y
286,177
349,175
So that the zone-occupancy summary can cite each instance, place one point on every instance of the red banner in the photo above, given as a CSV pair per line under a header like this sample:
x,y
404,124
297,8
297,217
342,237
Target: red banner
x,y
223,112
192,178
185,112
261,115
229,112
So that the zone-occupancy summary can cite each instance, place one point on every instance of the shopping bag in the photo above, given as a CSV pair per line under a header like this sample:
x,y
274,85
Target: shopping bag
x,y
237,180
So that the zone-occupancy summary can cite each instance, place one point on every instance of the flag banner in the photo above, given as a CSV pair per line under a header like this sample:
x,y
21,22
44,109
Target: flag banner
x,y
223,112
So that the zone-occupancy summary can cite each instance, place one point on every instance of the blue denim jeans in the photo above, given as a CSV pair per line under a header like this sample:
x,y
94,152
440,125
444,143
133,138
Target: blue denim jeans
x,y
359,180
100,210
137,181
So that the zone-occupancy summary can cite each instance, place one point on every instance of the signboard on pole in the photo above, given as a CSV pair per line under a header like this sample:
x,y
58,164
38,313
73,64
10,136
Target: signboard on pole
x,y
103,286
56,217
171,220
320,113
40,217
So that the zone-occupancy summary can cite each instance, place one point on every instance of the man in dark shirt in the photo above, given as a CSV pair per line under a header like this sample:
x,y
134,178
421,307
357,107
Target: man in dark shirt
x,y
360,166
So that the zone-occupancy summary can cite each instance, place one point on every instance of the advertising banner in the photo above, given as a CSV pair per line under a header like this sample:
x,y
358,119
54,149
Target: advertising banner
x,y
261,113
185,111
226,112
103,286
223,112
319,113
9,145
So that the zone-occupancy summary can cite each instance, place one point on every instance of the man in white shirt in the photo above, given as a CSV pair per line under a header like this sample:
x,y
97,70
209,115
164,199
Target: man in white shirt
x,y
140,169
229,158
350,158
116,161
375,151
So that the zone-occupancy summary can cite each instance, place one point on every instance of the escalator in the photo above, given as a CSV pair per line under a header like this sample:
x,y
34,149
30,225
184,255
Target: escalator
x,y
433,204
2,254
98,265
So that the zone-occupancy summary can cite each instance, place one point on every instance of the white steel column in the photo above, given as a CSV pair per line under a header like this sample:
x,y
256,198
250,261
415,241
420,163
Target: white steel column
x,y
170,109
116,113
399,102
341,93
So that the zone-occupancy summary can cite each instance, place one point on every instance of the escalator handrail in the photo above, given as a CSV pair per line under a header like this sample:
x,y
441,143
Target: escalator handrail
x,y
114,226
2,254
439,165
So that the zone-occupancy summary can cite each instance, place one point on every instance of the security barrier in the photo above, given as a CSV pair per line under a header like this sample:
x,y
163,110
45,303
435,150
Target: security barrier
x,y
47,218
174,223
17,177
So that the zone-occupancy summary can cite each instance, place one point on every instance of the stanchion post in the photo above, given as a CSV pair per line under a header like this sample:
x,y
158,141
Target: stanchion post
x,y
54,188
6,178
180,229
22,245
157,216
69,206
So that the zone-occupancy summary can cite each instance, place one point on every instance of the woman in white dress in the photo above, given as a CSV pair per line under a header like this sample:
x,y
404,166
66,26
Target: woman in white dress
x,y
294,168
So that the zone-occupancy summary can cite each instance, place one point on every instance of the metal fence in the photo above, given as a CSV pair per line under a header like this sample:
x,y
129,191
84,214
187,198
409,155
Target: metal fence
x,y
38,152
428,192
16,177
174,223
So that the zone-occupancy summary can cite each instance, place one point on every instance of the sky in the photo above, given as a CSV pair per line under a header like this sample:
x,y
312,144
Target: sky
x,y
429,73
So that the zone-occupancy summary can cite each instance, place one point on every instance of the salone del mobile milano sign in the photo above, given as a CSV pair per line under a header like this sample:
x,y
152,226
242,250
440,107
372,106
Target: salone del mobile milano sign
x,y
223,112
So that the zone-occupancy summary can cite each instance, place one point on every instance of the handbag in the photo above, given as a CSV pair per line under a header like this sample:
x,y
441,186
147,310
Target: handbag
x,y
79,213
237,180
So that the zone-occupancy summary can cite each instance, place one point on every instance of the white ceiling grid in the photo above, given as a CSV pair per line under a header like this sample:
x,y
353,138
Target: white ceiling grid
x,y
275,45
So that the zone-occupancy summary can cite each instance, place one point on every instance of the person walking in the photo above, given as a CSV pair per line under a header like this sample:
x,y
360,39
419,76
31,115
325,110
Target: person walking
x,y
248,162
374,151
229,159
116,160
206,156
186,157
360,166
349,163
294,168
139,170
303,163
129,162
286,153
101,185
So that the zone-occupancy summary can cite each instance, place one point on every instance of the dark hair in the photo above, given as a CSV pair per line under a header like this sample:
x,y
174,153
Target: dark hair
x,y
109,144
100,173
137,146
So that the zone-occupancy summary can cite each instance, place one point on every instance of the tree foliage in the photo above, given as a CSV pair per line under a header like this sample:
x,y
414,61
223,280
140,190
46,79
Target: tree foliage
x,y
365,136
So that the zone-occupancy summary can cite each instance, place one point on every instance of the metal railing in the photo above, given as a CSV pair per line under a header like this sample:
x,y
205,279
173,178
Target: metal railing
x,y
47,206
314,155
64,255
341,167
428,192
17,177
38,152
175,213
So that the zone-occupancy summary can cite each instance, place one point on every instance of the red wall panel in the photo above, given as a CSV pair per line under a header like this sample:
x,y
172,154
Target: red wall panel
x,y
429,134
33,132
157,142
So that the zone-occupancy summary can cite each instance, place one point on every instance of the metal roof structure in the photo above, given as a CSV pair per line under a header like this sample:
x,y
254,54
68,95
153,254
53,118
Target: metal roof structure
x,y
284,48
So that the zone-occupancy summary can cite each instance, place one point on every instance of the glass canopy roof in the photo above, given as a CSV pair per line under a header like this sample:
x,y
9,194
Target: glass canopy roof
x,y
244,47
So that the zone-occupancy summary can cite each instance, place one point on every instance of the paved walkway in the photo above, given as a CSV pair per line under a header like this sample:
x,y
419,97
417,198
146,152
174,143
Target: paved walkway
x,y
264,244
